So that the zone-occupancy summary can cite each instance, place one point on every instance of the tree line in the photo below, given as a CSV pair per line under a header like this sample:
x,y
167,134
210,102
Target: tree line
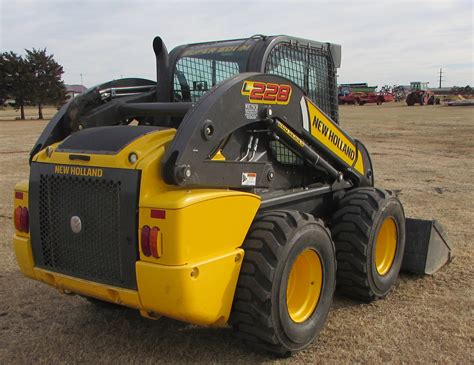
x,y
32,79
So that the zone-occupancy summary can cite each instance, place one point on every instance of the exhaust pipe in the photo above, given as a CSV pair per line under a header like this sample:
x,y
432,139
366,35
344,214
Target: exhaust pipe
x,y
163,84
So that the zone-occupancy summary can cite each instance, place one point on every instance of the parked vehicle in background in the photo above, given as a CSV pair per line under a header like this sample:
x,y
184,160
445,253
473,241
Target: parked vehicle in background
x,y
362,98
379,98
420,94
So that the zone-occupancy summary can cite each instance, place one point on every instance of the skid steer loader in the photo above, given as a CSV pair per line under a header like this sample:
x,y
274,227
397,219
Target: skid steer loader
x,y
223,193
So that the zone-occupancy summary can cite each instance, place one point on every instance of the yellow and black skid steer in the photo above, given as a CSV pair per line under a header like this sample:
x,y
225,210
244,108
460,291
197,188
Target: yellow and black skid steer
x,y
225,192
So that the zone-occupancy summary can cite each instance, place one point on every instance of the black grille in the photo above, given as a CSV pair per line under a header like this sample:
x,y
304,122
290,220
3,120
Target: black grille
x,y
284,155
105,248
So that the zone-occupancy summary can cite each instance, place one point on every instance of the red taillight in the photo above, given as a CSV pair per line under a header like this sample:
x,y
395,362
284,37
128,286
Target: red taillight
x,y
154,242
17,218
24,218
21,219
145,240
151,241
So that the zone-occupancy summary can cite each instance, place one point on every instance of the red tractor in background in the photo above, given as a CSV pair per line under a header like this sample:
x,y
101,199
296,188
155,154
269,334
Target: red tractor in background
x,y
420,94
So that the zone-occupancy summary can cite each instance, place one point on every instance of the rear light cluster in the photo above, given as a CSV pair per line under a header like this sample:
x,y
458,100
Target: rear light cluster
x,y
151,241
21,219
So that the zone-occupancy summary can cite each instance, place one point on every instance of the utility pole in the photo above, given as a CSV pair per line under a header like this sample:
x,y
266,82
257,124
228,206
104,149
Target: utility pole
x,y
81,80
440,77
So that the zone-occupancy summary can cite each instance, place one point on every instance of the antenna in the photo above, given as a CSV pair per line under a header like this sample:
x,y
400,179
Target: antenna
x,y
440,77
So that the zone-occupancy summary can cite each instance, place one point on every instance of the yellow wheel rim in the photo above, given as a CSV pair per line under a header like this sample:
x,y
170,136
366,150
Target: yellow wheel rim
x,y
304,285
386,246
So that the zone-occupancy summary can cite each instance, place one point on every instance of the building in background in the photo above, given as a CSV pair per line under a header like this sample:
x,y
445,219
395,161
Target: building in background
x,y
73,90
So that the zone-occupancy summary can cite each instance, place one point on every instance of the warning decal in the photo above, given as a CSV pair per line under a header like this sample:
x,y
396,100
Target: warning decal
x,y
249,178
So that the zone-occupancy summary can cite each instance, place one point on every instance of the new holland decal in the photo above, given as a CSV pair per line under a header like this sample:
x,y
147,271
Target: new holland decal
x,y
78,170
266,92
330,135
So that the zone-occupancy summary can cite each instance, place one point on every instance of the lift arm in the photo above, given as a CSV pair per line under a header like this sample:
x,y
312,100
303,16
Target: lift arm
x,y
260,101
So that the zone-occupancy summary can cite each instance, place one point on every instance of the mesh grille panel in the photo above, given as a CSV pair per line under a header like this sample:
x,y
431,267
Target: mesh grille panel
x,y
311,69
93,253
284,155
195,76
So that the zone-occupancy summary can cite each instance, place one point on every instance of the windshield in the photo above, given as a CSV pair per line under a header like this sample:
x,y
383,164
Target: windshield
x,y
202,66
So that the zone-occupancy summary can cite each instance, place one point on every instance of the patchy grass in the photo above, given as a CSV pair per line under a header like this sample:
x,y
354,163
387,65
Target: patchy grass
x,y
425,153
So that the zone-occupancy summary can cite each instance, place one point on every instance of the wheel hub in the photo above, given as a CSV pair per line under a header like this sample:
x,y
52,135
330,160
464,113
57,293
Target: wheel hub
x,y
304,285
386,246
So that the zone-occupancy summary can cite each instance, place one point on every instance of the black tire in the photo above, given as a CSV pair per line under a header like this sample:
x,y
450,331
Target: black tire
x,y
410,99
355,228
422,99
260,314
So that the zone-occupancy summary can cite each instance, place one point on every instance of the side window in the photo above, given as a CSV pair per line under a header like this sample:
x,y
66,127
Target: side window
x,y
319,89
287,62
310,68
195,76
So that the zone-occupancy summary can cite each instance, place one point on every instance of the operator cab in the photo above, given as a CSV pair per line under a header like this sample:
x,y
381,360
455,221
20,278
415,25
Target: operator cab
x,y
196,68
417,85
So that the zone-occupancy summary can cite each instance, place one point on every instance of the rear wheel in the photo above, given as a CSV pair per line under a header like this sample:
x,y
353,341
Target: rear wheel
x,y
369,233
286,284
422,99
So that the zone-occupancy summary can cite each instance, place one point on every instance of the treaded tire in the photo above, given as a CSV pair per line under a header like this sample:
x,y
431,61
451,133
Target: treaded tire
x,y
355,228
260,315
422,99
410,100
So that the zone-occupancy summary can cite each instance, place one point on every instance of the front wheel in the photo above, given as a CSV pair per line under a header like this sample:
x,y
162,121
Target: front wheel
x,y
286,284
369,233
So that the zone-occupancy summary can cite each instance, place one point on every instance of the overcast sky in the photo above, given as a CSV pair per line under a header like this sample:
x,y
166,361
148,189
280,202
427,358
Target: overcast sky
x,y
383,41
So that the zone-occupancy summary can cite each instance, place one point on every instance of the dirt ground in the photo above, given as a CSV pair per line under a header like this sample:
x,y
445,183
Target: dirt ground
x,y
424,153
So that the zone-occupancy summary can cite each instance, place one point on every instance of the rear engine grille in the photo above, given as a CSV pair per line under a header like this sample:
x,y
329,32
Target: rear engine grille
x,y
104,248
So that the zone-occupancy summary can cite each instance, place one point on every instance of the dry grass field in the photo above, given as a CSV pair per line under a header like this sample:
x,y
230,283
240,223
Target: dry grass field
x,y
426,154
